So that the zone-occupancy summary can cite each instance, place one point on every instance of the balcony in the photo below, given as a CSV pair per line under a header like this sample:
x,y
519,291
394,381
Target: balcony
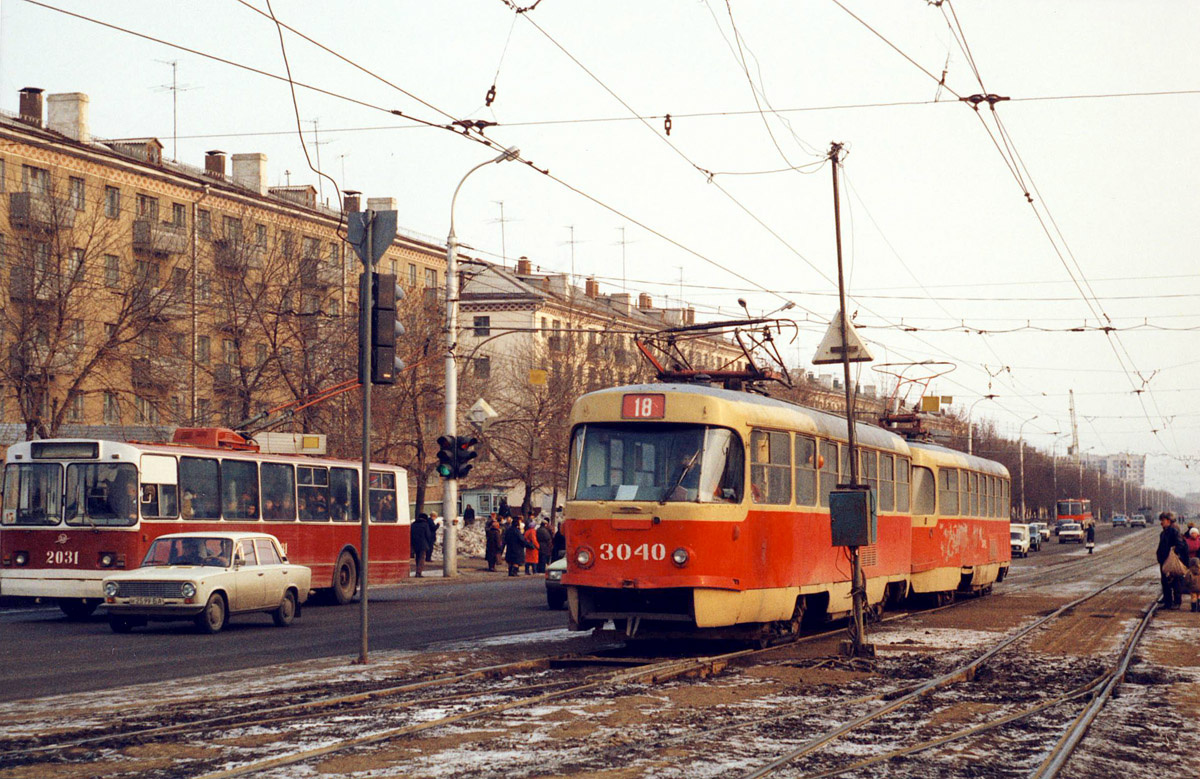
x,y
237,256
33,211
35,359
28,286
154,237
318,273
154,373
157,303
227,379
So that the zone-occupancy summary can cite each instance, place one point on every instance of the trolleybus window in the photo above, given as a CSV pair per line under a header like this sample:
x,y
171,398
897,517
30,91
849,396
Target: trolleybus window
x,y
200,481
278,492
102,494
314,493
902,471
383,497
160,486
32,494
239,489
806,471
887,484
948,492
829,470
770,467
924,491
659,462
343,494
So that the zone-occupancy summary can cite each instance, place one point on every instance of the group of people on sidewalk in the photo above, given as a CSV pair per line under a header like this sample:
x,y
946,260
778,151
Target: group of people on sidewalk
x,y
519,539
1178,557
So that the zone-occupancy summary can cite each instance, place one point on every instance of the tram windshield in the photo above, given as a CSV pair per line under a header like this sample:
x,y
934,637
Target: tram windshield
x,y
33,494
658,462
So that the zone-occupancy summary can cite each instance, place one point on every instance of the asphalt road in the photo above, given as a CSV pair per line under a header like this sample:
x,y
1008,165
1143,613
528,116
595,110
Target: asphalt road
x,y
42,653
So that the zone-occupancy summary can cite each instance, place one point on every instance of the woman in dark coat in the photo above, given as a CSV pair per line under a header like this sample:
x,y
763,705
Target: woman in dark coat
x,y
495,541
421,536
559,547
545,540
514,547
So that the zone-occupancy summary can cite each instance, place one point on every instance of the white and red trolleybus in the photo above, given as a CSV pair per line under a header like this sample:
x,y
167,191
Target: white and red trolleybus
x,y
75,510
1073,510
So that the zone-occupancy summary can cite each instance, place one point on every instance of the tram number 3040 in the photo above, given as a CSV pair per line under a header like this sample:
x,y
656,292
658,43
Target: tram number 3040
x,y
628,552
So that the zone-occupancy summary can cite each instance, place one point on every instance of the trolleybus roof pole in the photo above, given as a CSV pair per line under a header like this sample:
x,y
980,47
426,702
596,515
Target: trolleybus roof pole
x,y
857,584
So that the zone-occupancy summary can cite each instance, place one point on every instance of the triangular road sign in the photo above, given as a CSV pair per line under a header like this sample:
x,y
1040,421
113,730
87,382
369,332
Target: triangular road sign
x,y
830,350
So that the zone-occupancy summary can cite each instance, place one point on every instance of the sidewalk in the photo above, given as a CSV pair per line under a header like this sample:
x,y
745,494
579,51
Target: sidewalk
x,y
469,569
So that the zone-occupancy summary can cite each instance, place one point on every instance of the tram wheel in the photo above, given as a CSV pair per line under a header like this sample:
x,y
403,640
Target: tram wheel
x,y
345,579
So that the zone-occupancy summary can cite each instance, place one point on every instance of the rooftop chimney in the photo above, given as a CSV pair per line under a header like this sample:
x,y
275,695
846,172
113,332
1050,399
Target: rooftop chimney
x,y
68,114
350,201
31,106
214,164
381,203
250,171
591,288
524,267
689,316
644,302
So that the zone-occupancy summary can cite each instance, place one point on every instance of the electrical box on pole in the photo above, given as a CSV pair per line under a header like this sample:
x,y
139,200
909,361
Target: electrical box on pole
x,y
852,515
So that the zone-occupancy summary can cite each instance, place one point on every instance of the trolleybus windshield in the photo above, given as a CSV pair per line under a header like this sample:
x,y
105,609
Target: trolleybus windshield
x,y
102,494
658,462
33,494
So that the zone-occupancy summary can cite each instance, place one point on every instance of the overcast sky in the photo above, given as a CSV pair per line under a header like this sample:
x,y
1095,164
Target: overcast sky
x,y
940,239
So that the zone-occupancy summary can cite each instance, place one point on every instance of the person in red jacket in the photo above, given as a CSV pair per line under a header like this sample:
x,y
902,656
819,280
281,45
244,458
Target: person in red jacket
x,y
531,547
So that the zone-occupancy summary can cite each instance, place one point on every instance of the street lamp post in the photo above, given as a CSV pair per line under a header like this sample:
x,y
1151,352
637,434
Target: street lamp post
x,y
450,492
1021,447
971,427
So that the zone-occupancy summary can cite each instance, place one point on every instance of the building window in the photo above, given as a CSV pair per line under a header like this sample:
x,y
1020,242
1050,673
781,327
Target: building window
x,y
431,278
203,411
203,349
179,214
75,266
112,412
483,368
75,409
260,355
112,270
3,251
233,229
204,223
3,177
145,411
204,287
334,255
147,207
412,275
112,202
77,193
35,180
483,326
260,235
308,248
335,307
229,351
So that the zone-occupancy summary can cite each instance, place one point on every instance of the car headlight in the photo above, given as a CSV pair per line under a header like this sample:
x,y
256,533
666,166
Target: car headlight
x,y
680,557
188,590
584,557
554,576
110,589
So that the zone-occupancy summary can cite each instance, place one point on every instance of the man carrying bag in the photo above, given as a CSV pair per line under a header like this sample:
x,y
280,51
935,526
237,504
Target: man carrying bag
x,y
1172,558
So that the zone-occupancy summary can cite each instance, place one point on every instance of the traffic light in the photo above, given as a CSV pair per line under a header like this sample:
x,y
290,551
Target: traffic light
x,y
447,449
465,448
384,327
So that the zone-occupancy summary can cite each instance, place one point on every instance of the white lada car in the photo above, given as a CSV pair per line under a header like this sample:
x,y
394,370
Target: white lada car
x,y
207,577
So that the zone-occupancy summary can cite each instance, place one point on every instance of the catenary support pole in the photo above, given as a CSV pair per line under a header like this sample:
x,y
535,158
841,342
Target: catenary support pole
x,y
364,307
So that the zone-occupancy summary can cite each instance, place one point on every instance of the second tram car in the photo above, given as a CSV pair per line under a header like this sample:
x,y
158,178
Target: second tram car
x,y
697,509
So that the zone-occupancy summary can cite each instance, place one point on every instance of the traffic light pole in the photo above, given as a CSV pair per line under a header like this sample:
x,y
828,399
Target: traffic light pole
x,y
364,306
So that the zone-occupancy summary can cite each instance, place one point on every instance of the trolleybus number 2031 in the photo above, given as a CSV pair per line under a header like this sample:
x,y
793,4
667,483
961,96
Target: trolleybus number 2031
x,y
627,551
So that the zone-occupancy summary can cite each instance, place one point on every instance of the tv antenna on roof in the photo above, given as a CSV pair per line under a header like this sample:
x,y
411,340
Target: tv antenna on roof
x,y
174,88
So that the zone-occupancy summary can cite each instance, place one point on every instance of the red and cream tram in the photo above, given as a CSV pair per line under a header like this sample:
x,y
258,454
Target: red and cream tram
x,y
75,510
696,509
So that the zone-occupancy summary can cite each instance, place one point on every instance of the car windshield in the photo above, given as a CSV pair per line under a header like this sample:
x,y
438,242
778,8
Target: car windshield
x,y
656,462
190,550
1071,526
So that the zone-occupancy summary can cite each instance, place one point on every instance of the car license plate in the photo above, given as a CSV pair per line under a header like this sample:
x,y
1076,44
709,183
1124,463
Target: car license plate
x,y
146,601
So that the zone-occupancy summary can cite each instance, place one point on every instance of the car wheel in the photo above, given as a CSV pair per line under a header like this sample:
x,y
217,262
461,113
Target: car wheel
x,y
345,579
286,612
120,624
556,601
78,608
213,618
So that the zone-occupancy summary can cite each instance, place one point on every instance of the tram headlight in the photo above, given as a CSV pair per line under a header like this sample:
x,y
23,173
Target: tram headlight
x,y
20,558
110,589
107,559
188,590
681,556
584,557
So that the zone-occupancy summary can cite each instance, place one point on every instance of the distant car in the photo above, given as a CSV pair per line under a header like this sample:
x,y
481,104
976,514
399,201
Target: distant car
x,y
1070,531
556,593
1120,520
1035,539
1042,528
1020,540
207,577
1137,520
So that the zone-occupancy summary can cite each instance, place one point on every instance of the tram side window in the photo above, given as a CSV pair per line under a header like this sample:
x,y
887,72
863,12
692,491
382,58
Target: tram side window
x,y
314,493
383,496
948,492
239,489
973,493
102,494
343,494
990,483
869,464
33,494
278,492
887,482
200,480
806,471
902,472
770,467
1007,497
924,491
829,470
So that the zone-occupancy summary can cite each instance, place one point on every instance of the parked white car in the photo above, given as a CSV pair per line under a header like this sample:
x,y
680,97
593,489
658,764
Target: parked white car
x,y
207,577
1020,540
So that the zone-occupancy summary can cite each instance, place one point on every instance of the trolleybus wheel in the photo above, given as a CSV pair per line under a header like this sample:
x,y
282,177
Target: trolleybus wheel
x,y
286,612
78,608
345,579
120,624
212,619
